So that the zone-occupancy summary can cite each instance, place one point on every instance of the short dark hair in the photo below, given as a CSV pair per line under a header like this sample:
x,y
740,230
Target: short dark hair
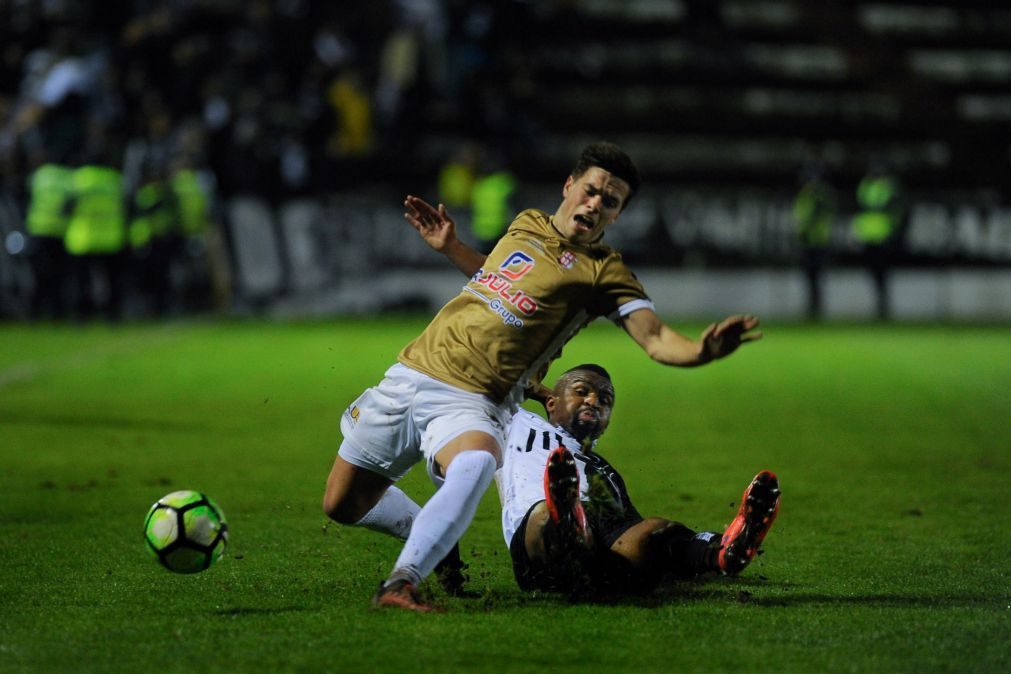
x,y
612,159
591,367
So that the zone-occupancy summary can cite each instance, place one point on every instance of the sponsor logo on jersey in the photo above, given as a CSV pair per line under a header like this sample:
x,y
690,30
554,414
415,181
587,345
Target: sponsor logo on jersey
x,y
504,289
568,259
496,305
510,303
516,265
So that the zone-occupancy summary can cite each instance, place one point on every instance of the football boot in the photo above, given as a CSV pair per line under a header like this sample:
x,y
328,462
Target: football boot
x,y
561,494
759,507
401,594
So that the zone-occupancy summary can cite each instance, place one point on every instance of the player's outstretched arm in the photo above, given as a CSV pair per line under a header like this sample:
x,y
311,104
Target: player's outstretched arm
x,y
669,347
438,230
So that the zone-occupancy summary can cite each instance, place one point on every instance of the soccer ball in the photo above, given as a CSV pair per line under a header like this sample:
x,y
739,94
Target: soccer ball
x,y
186,531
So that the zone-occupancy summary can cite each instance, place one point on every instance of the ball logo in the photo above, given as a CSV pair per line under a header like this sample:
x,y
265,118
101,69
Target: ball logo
x,y
516,265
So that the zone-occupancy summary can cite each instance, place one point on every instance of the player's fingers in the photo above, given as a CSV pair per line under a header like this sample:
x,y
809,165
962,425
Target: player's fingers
x,y
444,214
420,206
737,324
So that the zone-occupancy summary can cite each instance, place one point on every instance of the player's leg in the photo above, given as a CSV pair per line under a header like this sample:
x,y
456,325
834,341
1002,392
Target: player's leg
x,y
462,433
553,549
567,526
656,548
468,464
378,448
358,496
759,507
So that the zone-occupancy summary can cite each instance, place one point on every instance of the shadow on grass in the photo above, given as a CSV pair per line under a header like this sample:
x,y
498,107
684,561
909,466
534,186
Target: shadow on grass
x,y
779,595
240,611
879,600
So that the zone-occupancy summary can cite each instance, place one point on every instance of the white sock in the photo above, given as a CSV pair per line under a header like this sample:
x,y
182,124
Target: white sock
x,y
393,515
445,517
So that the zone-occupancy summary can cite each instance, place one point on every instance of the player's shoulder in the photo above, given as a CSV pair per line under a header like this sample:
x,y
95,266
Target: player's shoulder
x,y
531,220
528,419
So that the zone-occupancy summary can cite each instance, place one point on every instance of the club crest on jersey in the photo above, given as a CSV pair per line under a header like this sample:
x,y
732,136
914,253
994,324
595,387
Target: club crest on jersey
x,y
568,259
516,265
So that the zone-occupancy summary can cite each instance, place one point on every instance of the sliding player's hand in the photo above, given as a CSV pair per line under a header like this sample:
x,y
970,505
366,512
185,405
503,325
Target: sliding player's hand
x,y
722,339
433,224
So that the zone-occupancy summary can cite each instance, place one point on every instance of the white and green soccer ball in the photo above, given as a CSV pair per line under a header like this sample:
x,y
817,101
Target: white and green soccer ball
x,y
186,531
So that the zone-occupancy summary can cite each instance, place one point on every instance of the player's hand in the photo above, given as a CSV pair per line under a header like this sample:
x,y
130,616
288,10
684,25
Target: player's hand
x,y
722,339
433,224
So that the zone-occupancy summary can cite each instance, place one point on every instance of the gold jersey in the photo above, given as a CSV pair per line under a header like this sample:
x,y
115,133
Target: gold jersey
x,y
534,293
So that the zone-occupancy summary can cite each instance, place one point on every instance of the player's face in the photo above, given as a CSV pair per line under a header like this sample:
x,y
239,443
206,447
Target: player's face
x,y
590,203
582,406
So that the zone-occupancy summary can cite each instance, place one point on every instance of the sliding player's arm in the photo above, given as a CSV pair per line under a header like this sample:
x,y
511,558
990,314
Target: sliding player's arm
x,y
665,345
439,231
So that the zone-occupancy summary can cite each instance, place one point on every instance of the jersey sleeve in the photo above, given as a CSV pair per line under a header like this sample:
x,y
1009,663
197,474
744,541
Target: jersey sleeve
x,y
619,291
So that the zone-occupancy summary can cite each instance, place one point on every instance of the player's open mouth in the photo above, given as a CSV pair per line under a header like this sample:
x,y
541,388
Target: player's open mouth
x,y
584,222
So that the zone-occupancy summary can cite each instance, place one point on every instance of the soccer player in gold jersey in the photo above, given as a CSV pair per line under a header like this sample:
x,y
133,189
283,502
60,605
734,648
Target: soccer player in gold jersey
x,y
449,399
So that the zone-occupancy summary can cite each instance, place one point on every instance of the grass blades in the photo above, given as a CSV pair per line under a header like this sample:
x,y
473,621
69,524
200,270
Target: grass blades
x,y
891,551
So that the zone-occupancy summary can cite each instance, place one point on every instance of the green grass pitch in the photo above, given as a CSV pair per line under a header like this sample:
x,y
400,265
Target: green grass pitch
x,y
892,551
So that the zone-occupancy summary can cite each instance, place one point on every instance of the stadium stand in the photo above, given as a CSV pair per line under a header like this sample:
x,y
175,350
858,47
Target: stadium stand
x,y
318,117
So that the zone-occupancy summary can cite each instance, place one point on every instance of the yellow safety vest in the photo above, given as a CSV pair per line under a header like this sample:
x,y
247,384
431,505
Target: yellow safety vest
x,y
191,202
878,220
97,224
456,184
813,212
154,216
49,187
490,205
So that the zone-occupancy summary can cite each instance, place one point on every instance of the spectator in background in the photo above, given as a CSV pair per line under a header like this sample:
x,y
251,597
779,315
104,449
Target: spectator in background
x,y
491,202
49,193
352,107
195,195
152,219
876,228
96,238
814,212
457,176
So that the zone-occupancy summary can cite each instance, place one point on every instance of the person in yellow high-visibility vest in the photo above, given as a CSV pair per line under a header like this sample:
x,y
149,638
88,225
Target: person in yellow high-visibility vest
x,y
193,206
491,206
46,223
814,213
457,176
96,238
154,235
876,227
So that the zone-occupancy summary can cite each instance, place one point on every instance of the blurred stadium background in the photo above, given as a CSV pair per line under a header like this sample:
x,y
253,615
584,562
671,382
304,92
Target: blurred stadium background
x,y
263,148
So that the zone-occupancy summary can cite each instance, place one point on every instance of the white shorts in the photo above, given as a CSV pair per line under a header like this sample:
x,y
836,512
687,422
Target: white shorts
x,y
410,416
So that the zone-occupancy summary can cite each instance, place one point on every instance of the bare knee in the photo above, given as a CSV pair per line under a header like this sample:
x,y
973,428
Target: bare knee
x,y
351,492
341,508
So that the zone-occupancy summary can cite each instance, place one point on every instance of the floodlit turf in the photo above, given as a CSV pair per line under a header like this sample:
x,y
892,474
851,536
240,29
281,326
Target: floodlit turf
x,y
891,551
